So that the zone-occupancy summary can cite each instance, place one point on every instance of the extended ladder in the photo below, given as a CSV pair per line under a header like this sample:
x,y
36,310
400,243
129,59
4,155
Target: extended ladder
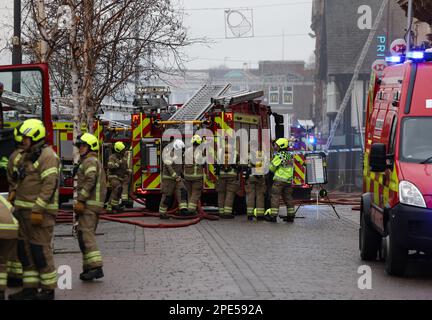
x,y
200,102
355,76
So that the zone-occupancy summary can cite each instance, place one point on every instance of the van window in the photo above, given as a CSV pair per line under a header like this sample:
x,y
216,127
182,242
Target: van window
x,y
416,142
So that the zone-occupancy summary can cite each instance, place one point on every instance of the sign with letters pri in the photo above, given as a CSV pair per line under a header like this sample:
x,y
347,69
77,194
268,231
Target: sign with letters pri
x,y
316,168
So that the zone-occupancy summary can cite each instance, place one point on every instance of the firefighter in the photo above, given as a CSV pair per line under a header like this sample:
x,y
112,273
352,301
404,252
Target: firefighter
x,y
117,170
256,188
14,265
8,238
126,180
172,182
228,183
193,176
91,191
282,167
36,205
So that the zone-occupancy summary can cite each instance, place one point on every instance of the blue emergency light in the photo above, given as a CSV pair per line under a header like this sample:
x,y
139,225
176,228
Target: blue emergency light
x,y
416,55
312,139
394,59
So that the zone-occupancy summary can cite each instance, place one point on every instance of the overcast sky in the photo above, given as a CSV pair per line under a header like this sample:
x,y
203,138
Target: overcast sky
x,y
271,18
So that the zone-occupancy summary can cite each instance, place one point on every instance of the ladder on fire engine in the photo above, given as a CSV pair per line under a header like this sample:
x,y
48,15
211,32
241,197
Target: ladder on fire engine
x,y
200,102
19,101
358,66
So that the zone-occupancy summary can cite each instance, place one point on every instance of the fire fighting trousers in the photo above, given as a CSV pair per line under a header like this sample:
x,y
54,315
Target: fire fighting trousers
x,y
6,246
194,189
226,189
284,190
171,189
255,193
87,224
116,191
14,267
35,251
125,187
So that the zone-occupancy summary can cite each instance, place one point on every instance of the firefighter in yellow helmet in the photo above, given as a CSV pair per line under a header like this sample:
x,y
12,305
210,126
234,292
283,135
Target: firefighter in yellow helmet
x,y
282,167
172,182
117,170
14,265
193,175
8,236
36,205
228,182
91,191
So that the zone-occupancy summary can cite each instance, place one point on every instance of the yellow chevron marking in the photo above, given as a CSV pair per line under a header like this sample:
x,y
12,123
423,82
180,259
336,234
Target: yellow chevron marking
x,y
155,184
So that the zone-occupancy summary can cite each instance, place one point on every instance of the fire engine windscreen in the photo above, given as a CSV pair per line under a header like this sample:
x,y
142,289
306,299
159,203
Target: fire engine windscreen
x,y
416,142
21,97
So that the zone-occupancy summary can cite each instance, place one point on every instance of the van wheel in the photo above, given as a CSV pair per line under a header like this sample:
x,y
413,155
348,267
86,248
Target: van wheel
x,y
370,240
396,256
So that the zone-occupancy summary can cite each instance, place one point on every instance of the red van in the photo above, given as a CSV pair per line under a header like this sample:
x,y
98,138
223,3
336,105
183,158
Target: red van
x,y
396,205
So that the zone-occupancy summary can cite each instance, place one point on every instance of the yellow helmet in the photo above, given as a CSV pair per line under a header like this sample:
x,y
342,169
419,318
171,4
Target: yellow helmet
x,y
119,146
17,135
90,140
282,143
34,129
196,139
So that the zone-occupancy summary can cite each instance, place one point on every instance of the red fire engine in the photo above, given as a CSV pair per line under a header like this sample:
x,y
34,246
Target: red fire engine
x,y
396,204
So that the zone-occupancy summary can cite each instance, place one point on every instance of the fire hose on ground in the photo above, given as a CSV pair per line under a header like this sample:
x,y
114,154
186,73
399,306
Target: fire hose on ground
x,y
66,216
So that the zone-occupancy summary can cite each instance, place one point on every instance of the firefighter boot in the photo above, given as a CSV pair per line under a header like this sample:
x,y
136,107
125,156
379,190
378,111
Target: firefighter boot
x,y
24,294
92,274
163,216
117,209
46,295
290,214
184,212
2,295
13,282
289,219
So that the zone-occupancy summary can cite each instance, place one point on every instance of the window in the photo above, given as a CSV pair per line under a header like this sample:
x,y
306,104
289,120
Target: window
x,y
274,95
416,144
392,146
288,95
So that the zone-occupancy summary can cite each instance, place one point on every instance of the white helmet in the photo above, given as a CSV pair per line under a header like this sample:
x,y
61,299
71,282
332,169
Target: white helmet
x,y
178,144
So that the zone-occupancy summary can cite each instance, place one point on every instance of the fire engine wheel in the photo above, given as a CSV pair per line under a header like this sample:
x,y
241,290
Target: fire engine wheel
x,y
396,257
370,240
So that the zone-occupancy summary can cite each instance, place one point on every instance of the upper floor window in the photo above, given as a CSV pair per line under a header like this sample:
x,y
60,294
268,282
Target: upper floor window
x,y
274,95
288,97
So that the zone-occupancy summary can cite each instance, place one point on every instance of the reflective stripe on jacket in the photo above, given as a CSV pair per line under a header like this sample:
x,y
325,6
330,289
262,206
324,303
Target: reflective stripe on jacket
x,y
91,183
8,224
117,166
38,190
282,166
193,171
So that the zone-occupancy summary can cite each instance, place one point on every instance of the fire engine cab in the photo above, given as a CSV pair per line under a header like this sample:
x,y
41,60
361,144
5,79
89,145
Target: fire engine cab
x,y
396,205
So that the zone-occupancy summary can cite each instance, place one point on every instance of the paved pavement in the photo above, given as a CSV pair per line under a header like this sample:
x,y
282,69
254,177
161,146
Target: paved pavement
x,y
315,258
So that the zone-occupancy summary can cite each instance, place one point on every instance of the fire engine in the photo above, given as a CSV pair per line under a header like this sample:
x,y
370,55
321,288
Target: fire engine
x,y
214,108
25,94
396,204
